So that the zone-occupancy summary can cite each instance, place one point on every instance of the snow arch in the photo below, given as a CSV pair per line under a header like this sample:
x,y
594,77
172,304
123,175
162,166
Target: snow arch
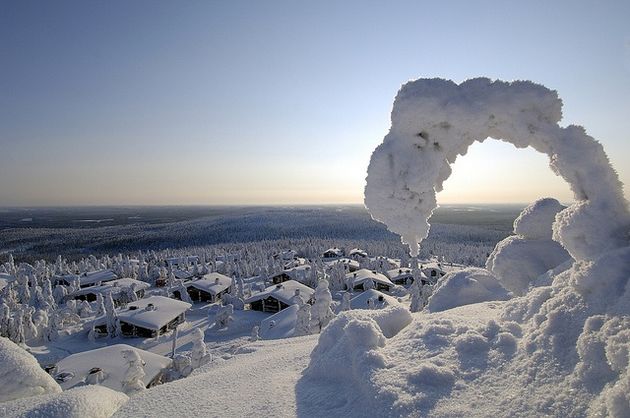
x,y
435,120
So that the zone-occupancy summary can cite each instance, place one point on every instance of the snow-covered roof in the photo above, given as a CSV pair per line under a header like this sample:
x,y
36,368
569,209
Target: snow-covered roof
x,y
114,286
213,283
94,277
363,275
164,310
336,251
283,324
357,251
113,364
348,261
181,260
377,299
283,292
392,262
398,273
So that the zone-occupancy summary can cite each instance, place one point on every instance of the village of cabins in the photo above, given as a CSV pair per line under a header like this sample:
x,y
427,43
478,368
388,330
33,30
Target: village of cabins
x,y
149,310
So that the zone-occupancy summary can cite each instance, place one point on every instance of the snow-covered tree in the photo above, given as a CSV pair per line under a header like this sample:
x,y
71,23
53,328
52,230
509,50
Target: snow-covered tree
x,y
132,381
224,317
199,354
183,292
111,319
100,306
84,309
425,293
254,335
303,321
321,311
415,290
59,293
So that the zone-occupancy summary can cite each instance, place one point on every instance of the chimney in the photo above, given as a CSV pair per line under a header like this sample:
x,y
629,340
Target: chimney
x,y
297,292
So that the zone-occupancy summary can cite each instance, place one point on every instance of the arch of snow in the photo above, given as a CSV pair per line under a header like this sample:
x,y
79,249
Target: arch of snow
x,y
435,120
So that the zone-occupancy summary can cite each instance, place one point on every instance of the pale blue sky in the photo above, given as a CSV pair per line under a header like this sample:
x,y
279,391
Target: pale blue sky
x,y
224,102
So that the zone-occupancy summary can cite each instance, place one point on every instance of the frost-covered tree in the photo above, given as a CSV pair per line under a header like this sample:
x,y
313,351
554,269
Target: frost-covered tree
x,y
415,290
5,317
30,329
111,319
426,292
132,380
199,354
183,292
321,311
254,335
51,333
59,293
224,317
100,306
303,321
84,309
47,293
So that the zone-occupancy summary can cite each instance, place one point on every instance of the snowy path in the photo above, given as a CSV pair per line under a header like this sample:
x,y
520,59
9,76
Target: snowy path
x,y
259,380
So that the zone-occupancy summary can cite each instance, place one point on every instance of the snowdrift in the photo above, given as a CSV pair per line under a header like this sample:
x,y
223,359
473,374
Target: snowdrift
x,y
21,375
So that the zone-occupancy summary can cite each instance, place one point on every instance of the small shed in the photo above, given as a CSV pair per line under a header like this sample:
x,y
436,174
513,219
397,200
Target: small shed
x,y
210,288
80,368
299,273
349,264
358,280
433,271
279,296
358,254
93,277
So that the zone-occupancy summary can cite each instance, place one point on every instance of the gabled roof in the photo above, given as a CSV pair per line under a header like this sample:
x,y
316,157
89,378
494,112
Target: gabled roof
x,y
334,250
400,272
357,251
113,364
377,299
182,274
363,275
114,286
283,324
164,311
94,277
284,292
213,283
348,261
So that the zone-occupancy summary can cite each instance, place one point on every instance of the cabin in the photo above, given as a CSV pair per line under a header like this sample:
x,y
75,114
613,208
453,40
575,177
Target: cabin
x,y
63,279
295,262
107,367
300,273
148,318
433,271
285,255
332,253
210,288
358,280
349,265
93,277
181,261
400,276
279,296
386,263
118,289
372,299
358,254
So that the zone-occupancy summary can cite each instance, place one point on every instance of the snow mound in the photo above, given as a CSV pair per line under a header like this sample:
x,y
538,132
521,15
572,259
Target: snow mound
x,y
434,121
536,220
518,261
79,402
21,375
465,287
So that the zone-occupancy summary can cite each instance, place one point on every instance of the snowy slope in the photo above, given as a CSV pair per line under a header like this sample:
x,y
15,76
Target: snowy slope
x,y
259,380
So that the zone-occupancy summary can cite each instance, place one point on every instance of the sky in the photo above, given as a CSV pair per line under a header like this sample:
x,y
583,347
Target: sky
x,y
281,102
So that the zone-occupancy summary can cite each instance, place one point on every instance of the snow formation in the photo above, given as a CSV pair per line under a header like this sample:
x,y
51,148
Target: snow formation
x,y
560,349
434,121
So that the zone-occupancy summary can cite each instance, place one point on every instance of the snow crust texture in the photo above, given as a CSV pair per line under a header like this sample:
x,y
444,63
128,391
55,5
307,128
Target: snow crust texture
x,y
434,121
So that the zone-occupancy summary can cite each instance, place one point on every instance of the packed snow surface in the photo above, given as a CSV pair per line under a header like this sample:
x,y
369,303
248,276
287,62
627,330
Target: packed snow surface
x,y
434,121
21,375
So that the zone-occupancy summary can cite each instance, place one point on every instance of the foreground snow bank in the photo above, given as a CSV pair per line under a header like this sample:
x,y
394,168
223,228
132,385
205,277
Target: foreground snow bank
x,y
21,375
80,402
465,287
